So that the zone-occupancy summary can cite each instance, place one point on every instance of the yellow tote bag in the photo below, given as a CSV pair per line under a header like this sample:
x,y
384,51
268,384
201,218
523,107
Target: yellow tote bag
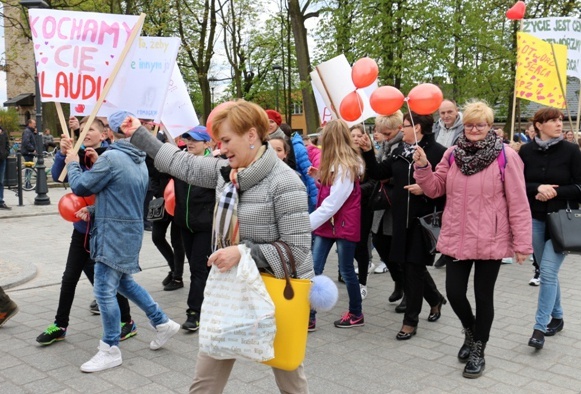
x,y
291,314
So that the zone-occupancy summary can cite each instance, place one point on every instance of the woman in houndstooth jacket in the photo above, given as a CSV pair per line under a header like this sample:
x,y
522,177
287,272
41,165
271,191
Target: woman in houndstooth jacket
x,y
265,199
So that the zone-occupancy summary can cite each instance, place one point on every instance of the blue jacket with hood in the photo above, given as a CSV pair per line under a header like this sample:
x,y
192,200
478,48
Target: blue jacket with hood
x,y
119,180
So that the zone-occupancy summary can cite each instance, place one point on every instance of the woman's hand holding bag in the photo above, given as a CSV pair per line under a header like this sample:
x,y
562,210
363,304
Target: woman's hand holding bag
x,y
237,317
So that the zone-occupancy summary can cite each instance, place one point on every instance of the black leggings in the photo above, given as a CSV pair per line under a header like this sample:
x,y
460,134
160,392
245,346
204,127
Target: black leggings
x,y
485,275
362,248
382,244
174,254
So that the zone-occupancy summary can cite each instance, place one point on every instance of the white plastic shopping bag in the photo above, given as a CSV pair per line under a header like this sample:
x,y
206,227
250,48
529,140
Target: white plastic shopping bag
x,y
237,317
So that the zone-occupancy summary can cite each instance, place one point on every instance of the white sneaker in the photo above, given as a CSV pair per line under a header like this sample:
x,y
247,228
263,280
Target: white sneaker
x,y
381,268
369,268
535,281
164,333
107,357
363,290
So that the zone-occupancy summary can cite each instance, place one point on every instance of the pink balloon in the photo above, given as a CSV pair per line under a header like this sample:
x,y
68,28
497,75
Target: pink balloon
x,y
425,99
386,100
351,107
364,72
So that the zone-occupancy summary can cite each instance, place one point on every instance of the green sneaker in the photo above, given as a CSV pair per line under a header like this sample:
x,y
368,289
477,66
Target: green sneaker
x,y
51,334
193,321
128,330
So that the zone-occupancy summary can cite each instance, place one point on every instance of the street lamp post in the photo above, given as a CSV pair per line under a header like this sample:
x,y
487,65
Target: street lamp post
x,y
276,68
41,183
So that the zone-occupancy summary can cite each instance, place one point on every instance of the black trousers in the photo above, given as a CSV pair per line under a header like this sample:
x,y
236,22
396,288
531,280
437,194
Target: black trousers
x,y
382,244
79,261
485,275
362,248
174,254
198,247
418,285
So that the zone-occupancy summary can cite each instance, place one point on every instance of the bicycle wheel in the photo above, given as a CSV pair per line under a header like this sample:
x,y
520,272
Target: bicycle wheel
x,y
28,178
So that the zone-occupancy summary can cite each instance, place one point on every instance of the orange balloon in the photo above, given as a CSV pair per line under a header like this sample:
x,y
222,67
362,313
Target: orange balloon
x,y
386,100
169,196
69,204
425,99
216,109
364,72
351,107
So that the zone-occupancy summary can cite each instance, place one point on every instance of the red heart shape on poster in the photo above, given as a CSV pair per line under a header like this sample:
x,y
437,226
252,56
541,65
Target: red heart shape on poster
x,y
517,11
80,108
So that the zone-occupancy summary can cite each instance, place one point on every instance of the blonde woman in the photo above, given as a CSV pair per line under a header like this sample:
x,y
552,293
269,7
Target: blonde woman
x,y
337,217
484,220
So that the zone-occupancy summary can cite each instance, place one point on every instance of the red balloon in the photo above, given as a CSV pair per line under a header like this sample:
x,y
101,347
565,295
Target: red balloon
x,y
386,100
351,107
517,11
216,109
364,72
169,196
90,200
69,204
425,99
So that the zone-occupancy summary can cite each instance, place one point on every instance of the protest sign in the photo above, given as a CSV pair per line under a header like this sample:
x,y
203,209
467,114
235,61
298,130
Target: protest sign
x,y
565,31
333,81
541,71
178,115
143,80
76,52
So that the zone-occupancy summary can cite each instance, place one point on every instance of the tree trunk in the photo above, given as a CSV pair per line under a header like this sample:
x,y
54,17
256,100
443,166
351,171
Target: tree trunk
x,y
304,65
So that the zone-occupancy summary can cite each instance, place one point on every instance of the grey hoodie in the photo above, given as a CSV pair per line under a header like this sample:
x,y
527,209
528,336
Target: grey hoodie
x,y
457,129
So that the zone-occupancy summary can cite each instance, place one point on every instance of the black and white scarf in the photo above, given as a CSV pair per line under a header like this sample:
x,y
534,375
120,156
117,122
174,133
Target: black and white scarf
x,y
474,156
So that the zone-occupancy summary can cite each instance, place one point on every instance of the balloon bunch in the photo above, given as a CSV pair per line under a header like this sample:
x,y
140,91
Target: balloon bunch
x,y
363,73
423,99
70,204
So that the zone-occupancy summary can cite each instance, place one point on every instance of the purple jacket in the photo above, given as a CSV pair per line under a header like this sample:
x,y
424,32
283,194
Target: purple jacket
x,y
346,224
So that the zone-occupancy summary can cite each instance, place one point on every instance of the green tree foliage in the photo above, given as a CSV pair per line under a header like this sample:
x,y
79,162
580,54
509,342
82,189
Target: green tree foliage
x,y
9,119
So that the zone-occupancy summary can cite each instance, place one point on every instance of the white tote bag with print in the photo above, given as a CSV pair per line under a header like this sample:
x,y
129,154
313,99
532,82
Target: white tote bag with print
x,y
237,318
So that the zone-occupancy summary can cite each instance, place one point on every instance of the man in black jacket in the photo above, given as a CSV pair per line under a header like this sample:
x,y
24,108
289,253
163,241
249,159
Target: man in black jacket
x,y
28,145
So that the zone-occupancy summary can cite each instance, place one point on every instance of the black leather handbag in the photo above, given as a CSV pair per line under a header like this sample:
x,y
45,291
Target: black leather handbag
x,y
565,228
431,225
156,209
379,198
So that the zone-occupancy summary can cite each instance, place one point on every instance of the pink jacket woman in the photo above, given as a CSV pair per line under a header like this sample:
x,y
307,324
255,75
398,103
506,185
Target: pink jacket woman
x,y
484,218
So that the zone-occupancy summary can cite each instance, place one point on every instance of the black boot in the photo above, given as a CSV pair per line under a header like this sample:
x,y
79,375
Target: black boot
x,y
475,365
397,292
464,352
402,306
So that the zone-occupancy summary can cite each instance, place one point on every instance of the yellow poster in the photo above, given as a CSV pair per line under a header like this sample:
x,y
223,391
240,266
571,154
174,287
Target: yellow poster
x,y
538,68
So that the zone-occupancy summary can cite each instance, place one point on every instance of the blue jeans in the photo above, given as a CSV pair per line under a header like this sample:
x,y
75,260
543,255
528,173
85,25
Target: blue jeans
x,y
108,282
321,248
549,304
